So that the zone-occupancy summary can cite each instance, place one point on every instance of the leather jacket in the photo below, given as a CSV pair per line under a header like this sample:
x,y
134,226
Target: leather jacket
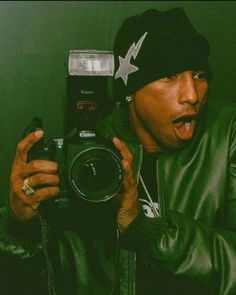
x,y
189,249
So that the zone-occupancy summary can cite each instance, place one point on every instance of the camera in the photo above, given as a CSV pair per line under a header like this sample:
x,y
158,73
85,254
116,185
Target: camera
x,y
90,167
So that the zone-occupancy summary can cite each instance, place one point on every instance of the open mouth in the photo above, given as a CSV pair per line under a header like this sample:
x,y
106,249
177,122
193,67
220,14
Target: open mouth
x,y
184,126
185,118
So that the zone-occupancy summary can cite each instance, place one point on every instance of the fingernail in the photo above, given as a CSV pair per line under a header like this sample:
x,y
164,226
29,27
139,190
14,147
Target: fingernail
x,y
38,133
116,140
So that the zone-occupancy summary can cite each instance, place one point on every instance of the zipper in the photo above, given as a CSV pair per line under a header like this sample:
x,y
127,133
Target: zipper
x,y
50,274
133,256
160,193
132,268
117,257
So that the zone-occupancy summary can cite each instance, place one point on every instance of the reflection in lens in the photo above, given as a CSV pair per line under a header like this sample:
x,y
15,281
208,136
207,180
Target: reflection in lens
x,y
96,174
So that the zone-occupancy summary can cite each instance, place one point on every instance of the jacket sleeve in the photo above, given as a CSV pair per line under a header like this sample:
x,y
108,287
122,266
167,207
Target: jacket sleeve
x,y
20,254
189,249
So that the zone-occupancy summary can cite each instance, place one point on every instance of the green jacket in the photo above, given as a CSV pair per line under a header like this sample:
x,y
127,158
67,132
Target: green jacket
x,y
190,249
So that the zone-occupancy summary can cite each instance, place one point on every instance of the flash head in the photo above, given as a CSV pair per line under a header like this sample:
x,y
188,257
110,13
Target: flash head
x,y
90,63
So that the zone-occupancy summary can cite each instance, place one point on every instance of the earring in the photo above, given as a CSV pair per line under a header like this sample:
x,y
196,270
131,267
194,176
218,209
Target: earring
x,y
129,98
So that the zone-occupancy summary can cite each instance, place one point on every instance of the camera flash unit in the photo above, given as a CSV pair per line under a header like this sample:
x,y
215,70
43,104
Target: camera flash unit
x,y
90,63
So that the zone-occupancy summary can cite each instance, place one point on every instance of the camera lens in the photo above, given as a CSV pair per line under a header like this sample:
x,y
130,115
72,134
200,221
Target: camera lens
x,y
96,174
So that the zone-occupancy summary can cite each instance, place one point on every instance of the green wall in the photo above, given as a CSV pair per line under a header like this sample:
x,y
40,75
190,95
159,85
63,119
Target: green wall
x,y
36,36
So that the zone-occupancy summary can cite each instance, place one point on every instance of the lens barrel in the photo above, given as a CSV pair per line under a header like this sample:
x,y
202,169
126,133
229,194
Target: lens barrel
x,y
96,173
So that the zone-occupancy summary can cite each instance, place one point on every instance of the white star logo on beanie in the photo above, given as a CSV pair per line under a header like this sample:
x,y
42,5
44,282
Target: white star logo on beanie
x,y
125,67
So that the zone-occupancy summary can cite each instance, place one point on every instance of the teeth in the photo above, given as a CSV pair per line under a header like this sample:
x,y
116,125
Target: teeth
x,y
187,126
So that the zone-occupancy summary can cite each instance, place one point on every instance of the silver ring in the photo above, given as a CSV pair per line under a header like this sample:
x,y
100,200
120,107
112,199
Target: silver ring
x,y
27,189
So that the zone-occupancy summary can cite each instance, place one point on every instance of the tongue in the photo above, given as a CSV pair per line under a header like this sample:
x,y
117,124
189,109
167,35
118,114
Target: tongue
x,y
184,130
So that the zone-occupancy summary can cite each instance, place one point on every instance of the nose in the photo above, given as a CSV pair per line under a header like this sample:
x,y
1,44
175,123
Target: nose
x,y
188,90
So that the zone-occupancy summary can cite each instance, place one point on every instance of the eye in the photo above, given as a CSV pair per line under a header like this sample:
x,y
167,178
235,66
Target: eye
x,y
200,75
168,78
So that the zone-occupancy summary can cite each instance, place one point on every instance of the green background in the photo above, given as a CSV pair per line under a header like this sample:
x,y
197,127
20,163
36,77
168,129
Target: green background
x,y
35,38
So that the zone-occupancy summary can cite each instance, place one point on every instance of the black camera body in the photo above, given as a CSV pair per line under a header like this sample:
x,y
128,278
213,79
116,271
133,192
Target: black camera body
x,y
90,167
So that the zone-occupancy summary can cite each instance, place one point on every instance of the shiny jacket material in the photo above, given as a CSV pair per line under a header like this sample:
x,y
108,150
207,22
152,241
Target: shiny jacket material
x,y
190,249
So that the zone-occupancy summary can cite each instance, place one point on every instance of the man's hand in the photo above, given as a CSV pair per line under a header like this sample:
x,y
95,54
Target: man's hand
x,y
129,199
42,177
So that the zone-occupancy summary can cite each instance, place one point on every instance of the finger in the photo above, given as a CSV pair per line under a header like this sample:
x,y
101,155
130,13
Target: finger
x,y
42,166
45,193
42,180
38,196
20,199
128,170
36,166
127,162
24,146
123,149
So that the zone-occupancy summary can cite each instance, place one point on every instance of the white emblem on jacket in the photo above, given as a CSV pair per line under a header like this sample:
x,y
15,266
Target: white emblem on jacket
x,y
147,208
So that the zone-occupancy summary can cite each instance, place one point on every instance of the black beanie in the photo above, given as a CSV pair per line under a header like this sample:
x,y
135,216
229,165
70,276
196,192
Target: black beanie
x,y
154,45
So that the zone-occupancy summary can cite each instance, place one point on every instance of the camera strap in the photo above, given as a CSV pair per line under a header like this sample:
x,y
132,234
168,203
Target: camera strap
x,y
154,210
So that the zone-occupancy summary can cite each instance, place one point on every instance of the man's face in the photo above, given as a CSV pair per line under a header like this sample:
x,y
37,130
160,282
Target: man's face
x,y
164,113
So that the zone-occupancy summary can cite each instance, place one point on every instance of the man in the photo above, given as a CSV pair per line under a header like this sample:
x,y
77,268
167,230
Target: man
x,y
176,217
